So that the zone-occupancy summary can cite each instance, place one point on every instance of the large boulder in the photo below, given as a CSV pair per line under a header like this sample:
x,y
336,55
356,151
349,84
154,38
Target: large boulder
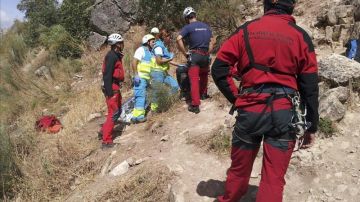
x,y
113,16
337,70
96,40
331,17
331,103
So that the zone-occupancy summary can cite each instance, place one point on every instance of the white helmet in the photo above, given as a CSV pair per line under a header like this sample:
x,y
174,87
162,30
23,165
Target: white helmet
x,y
155,30
114,38
146,38
188,11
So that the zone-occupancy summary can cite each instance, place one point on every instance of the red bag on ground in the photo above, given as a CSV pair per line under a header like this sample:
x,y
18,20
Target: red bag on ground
x,y
48,124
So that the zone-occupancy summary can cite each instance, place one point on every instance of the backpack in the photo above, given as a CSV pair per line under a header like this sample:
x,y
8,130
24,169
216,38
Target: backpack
x,y
353,49
48,124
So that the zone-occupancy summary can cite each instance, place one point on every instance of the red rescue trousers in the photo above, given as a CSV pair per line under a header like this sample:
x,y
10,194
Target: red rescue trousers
x,y
198,83
114,110
275,164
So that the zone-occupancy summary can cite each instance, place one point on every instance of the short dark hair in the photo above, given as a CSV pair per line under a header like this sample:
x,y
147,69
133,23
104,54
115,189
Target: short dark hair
x,y
163,32
191,16
284,6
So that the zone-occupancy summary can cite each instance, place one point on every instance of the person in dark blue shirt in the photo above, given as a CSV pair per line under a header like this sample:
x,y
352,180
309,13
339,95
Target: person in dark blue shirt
x,y
198,37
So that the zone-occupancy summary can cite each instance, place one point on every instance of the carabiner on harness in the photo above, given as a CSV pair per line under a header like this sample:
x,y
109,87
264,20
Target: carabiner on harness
x,y
298,120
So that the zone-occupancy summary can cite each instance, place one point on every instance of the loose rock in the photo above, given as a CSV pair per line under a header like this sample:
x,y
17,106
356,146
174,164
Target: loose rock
x,y
120,169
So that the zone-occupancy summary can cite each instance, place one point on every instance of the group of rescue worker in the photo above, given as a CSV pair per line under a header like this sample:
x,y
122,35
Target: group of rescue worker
x,y
276,63
151,63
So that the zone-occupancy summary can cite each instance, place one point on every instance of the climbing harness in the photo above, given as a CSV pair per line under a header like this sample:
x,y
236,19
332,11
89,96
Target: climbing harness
x,y
298,122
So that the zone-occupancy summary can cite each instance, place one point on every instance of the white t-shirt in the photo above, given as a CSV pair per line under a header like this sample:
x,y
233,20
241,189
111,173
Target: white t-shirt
x,y
139,53
158,51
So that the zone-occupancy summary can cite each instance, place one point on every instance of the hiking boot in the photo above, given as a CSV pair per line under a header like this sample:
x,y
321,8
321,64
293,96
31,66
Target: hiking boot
x,y
139,119
194,109
204,96
107,145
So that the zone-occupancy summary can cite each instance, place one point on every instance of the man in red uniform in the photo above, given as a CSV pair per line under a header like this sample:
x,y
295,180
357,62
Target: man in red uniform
x,y
276,61
113,74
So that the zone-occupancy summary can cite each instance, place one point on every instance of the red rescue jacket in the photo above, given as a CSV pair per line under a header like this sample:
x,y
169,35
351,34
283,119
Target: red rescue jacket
x,y
113,72
281,52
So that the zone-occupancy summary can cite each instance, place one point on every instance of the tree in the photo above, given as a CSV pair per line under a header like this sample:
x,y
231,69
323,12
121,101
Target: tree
x,y
165,13
44,12
39,14
75,17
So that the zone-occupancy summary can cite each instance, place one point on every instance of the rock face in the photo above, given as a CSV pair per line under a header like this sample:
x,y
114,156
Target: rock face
x,y
340,14
331,103
356,30
113,16
339,22
357,11
96,40
338,70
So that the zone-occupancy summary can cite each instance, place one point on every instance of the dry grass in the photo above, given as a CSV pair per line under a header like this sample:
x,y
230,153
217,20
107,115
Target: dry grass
x,y
35,59
49,163
218,142
147,184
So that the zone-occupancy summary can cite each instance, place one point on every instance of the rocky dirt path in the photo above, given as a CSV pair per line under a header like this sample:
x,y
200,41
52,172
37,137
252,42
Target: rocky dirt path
x,y
327,172
164,139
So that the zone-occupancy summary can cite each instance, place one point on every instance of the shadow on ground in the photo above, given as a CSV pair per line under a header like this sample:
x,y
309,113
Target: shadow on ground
x,y
213,188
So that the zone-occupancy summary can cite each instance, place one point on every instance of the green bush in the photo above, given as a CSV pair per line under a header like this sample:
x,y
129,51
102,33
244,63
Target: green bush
x,y
326,127
161,93
220,142
223,17
60,42
69,66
